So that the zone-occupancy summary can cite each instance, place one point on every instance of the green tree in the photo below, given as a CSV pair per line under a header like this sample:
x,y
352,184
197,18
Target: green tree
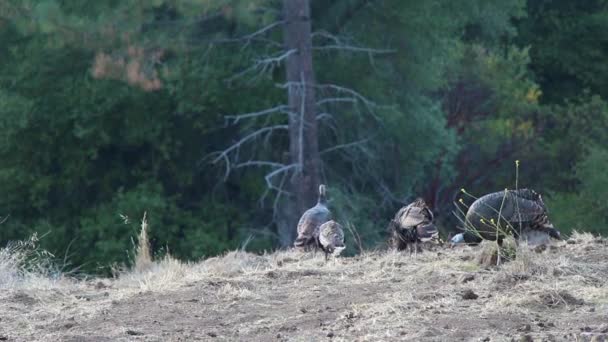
x,y
568,46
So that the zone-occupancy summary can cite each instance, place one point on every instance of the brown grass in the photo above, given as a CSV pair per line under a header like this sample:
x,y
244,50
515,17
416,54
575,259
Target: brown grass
x,y
556,294
143,256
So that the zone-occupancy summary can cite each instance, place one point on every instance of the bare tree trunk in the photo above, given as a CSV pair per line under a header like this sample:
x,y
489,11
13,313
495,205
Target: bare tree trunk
x,y
303,142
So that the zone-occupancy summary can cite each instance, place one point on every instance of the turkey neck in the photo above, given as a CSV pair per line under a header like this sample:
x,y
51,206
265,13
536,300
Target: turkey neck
x,y
322,200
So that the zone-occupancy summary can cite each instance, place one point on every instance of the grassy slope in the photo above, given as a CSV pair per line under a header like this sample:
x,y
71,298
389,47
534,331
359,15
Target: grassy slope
x,y
559,294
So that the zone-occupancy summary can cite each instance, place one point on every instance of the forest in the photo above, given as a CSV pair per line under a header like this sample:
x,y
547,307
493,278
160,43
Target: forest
x,y
219,118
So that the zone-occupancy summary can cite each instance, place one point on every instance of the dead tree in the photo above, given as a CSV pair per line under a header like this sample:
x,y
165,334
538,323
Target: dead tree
x,y
303,140
295,179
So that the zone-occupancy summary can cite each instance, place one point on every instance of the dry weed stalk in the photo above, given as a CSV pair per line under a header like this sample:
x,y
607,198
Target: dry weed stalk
x,y
353,230
143,257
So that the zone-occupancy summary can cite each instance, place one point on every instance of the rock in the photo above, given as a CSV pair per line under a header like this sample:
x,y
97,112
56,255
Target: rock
x,y
330,334
469,294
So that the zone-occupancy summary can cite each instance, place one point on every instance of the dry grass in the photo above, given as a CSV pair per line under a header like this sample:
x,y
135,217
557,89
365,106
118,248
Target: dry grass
x,y
143,256
559,293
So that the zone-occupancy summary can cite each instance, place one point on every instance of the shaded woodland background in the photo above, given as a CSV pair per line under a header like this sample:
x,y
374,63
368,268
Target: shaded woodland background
x,y
219,117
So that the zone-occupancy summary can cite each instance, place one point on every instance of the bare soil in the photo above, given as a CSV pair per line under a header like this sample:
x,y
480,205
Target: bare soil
x,y
554,294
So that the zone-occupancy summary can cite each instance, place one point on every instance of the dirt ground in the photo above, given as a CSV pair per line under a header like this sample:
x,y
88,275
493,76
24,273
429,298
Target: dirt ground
x,y
556,294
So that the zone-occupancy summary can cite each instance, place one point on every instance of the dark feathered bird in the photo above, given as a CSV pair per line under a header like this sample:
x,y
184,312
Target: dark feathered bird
x,y
331,238
411,224
311,220
495,215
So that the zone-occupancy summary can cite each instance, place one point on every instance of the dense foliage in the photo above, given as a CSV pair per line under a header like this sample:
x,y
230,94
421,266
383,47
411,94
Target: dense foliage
x,y
112,108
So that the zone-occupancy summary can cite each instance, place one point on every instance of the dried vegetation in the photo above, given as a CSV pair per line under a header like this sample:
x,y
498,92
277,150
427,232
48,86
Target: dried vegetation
x,y
558,293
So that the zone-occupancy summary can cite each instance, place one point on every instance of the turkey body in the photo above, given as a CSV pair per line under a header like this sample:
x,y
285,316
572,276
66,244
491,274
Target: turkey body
x,y
331,238
311,221
411,224
510,212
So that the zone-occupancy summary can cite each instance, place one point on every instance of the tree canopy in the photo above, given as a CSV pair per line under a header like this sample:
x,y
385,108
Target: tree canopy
x,y
112,108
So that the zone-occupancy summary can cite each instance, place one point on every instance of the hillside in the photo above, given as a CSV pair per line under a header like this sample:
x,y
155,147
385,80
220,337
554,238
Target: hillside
x,y
556,294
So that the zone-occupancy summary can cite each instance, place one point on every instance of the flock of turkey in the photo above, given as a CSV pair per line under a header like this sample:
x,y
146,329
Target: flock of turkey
x,y
520,213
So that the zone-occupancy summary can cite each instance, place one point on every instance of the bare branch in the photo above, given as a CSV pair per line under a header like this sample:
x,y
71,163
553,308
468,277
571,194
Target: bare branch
x,y
336,99
252,36
236,146
324,115
283,171
248,137
236,118
339,44
258,163
276,172
328,120
354,49
276,60
342,146
264,30
227,163
252,136
337,88
277,197
324,34
280,170
264,65
369,104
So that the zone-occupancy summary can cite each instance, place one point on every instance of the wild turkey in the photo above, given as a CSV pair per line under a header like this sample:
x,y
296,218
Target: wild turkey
x,y
412,223
331,238
520,211
311,220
